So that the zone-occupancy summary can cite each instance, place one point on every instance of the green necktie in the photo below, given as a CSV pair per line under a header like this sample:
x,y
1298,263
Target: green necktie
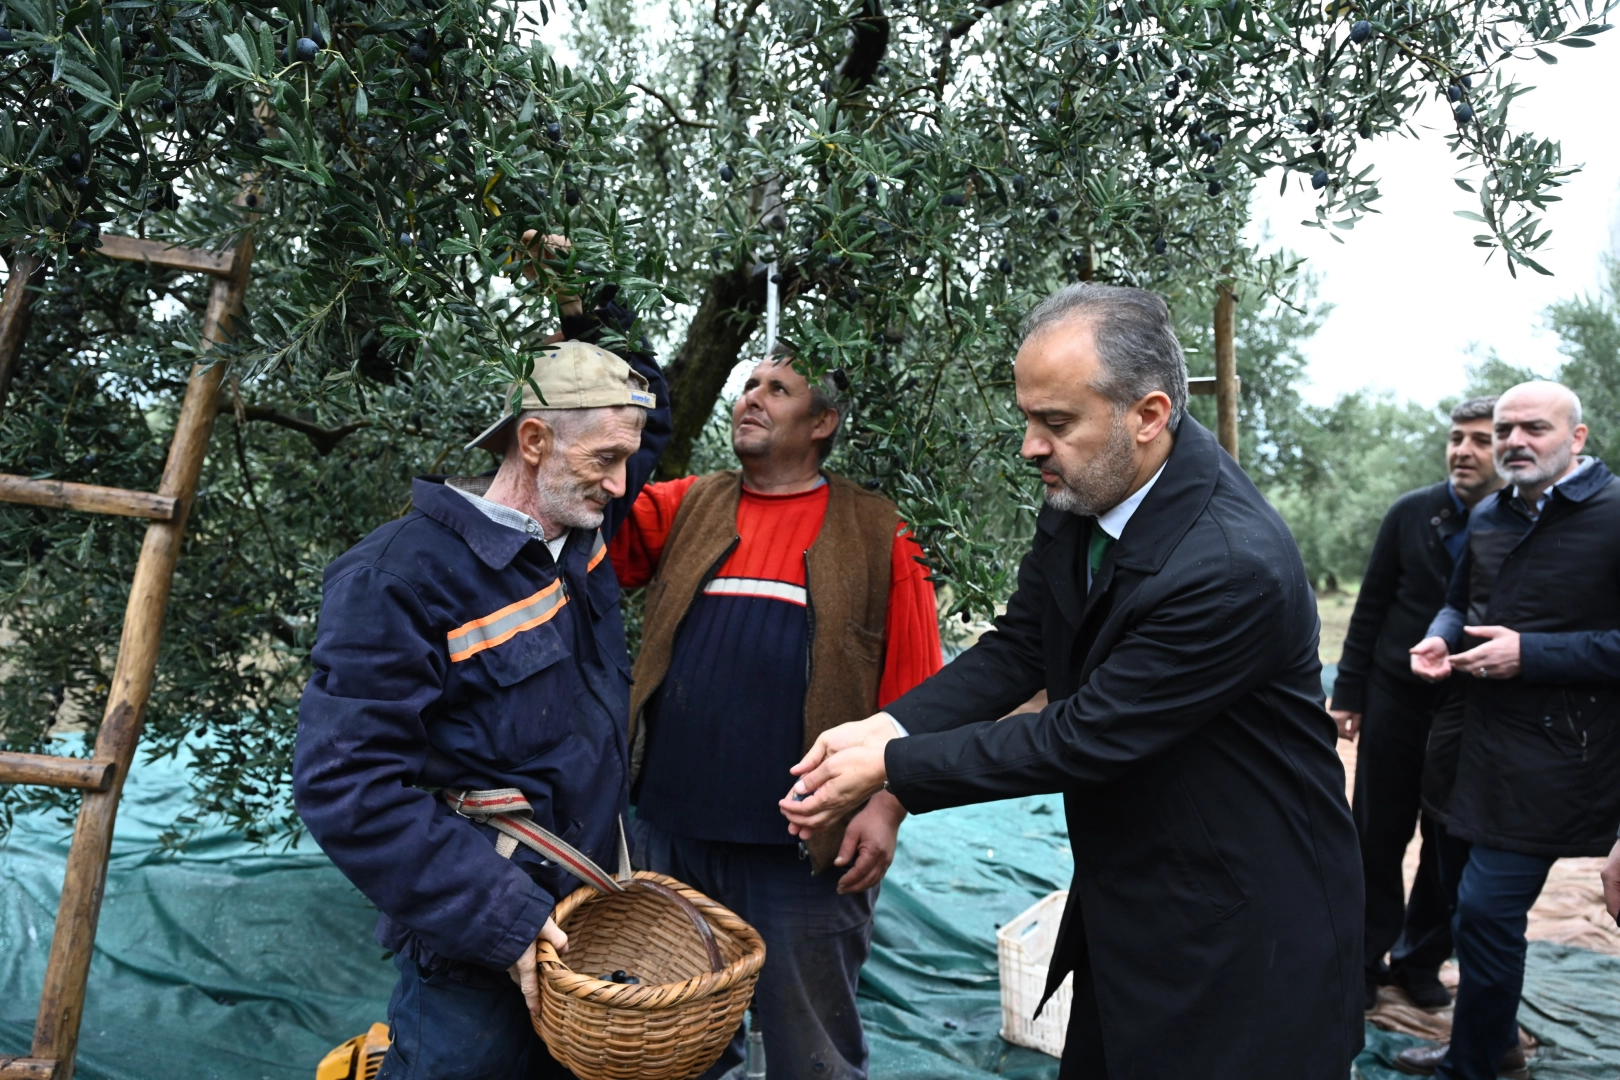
x,y
1100,543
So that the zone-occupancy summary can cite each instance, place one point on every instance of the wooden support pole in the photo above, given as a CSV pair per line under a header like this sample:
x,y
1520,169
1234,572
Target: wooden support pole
x,y
50,771
61,1005
16,312
62,495
1226,380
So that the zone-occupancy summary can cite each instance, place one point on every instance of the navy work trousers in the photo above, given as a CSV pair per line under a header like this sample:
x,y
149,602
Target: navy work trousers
x,y
815,944
1494,895
456,1021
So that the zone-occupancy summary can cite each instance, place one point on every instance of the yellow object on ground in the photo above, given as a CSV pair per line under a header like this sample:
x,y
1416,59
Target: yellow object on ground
x,y
357,1059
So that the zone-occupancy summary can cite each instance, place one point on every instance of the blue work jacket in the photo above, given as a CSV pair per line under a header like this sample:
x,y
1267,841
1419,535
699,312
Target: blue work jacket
x,y
453,652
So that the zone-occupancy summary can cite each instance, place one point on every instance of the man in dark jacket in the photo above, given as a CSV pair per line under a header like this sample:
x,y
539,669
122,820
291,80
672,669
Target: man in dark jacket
x,y
475,644
1532,620
1376,695
1214,923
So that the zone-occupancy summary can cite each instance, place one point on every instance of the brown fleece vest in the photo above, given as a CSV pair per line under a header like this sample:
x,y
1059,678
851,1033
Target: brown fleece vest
x,y
846,577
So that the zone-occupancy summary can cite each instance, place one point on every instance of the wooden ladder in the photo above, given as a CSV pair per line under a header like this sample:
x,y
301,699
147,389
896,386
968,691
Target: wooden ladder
x,y
61,1005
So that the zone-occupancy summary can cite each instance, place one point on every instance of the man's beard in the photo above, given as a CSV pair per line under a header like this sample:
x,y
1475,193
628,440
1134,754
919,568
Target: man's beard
x,y
1556,464
564,500
1099,484
757,444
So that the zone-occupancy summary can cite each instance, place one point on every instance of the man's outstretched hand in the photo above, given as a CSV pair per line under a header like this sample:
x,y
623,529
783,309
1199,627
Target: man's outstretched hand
x,y
842,770
869,841
526,971
1431,659
1349,723
1497,658
550,247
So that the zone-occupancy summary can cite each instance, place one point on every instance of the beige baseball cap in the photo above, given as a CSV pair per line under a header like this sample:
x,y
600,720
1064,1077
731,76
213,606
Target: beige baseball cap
x,y
571,375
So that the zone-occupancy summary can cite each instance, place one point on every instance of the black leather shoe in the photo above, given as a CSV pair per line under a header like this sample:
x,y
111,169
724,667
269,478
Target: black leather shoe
x,y
1424,1060
1423,987
1420,1060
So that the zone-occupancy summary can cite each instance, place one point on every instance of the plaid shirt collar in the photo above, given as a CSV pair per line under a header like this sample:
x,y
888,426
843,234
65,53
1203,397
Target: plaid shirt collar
x,y
471,488
500,515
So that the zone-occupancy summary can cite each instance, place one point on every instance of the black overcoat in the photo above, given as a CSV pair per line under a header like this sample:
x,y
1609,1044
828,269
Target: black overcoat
x,y
1404,585
1217,896
1538,756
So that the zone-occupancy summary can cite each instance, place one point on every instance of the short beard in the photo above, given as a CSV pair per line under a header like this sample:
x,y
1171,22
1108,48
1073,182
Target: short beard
x,y
564,500
744,451
1555,466
1099,484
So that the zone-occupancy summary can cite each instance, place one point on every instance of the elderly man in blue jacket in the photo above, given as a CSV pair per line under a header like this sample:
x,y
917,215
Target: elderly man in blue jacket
x,y
474,644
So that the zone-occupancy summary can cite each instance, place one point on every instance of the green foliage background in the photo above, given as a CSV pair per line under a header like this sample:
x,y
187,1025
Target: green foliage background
x,y
1356,456
919,176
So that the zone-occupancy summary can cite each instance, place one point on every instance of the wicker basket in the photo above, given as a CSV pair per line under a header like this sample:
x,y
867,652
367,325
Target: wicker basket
x,y
697,963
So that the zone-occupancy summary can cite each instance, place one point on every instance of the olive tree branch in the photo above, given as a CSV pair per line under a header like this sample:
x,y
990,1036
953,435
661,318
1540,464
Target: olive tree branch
x,y
674,111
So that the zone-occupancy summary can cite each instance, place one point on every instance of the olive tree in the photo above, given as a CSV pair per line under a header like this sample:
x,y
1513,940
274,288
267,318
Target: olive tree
x,y
919,176
916,178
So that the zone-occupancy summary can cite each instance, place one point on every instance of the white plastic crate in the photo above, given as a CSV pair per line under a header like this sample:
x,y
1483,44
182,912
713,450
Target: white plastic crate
x,y
1024,950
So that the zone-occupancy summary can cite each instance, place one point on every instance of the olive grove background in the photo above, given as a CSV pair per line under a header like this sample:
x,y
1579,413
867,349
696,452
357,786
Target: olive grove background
x,y
920,175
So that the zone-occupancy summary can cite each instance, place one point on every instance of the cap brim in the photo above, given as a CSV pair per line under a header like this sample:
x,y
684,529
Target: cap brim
x,y
494,437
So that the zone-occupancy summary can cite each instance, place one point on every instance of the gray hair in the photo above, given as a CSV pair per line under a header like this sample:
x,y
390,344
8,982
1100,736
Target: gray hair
x,y
567,426
824,395
1475,408
1135,341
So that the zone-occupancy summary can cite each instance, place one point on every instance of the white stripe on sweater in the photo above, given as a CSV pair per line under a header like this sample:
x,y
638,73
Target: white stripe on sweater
x,y
770,590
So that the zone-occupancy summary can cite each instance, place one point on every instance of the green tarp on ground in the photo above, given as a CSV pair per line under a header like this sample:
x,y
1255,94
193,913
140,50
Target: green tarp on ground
x,y
231,962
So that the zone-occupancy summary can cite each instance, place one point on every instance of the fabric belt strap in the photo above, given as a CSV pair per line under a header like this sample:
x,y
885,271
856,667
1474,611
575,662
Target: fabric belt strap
x,y
509,813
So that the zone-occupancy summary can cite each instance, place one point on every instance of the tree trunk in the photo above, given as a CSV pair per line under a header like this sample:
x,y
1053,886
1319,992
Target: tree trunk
x,y
16,312
724,322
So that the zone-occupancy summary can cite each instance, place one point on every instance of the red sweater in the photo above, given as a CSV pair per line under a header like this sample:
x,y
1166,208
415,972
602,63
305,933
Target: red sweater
x,y
775,531
736,683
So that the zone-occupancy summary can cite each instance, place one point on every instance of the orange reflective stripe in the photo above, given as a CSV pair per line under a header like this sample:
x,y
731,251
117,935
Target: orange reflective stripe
x,y
598,552
499,626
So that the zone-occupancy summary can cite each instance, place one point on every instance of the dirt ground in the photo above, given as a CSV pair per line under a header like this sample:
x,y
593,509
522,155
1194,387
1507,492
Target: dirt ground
x,y
1570,910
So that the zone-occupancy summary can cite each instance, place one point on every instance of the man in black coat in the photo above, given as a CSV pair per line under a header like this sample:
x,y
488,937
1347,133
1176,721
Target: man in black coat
x,y
1376,696
1214,922
1532,619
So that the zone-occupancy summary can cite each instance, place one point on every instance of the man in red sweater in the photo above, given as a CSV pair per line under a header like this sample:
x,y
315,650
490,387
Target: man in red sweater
x,y
784,600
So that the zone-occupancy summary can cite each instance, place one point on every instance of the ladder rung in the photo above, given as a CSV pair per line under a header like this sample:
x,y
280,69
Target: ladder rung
x,y
1205,385
63,495
131,249
21,1068
52,771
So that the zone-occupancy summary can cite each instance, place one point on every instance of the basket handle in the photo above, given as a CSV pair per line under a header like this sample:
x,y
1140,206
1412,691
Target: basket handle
x,y
545,953
705,932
